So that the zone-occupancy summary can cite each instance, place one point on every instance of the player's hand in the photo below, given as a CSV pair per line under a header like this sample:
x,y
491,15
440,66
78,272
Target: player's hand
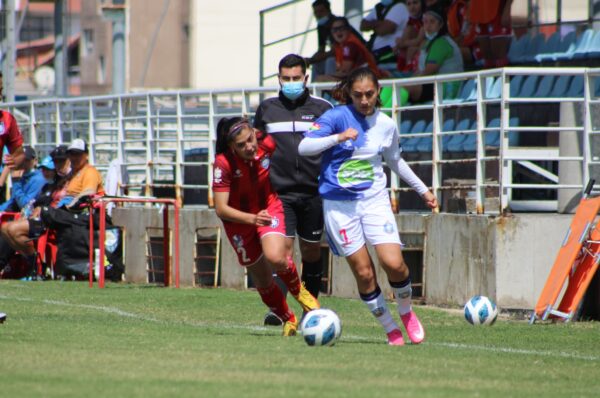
x,y
9,160
430,200
348,134
262,218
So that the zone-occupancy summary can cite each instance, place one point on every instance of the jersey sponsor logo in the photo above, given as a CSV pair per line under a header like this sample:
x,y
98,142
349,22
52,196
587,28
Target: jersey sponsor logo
x,y
388,227
357,174
238,173
274,222
308,117
238,241
218,175
265,163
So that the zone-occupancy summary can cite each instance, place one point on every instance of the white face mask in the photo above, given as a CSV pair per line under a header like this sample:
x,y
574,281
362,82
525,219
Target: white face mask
x,y
430,36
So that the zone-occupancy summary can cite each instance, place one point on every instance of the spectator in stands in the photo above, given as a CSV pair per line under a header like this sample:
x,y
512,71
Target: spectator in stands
x,y
463,31
26,188
83,180
350,53
47,170
387,21
492,22
407,45
439,54
323,61
294,177
52,192
355,139
253,216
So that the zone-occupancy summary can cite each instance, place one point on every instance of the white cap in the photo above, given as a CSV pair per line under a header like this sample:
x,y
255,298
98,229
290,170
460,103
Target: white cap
x,y
77,145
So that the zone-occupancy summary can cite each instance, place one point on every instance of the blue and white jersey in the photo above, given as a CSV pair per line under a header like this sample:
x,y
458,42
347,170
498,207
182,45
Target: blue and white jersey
x,y
353,169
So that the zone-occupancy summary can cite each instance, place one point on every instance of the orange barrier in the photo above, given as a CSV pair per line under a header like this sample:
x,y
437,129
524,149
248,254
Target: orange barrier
x,y
101,203
577,260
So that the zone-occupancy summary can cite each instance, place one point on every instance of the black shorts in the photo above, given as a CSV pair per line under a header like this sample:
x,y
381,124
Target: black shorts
x,y
36,228
303,216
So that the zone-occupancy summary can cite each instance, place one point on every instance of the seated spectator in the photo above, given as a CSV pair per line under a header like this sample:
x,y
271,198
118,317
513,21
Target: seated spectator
x,y
83,180
463,31
55,169
439,54
323,61
350,52
387,21
27,187
492,22
408,44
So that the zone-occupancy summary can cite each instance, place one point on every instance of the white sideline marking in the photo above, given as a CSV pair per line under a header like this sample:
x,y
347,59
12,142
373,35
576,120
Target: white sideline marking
x,y
460,346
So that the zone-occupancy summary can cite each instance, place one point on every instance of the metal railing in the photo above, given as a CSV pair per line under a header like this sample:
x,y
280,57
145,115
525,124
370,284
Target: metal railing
x,y
165,140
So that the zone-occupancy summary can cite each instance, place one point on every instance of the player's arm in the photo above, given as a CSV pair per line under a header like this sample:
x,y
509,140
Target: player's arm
x,y
228,213
315,145
402,169
15,159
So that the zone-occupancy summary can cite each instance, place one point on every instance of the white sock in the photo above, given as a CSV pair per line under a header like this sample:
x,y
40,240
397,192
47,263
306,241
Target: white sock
x,y
378,307
403,296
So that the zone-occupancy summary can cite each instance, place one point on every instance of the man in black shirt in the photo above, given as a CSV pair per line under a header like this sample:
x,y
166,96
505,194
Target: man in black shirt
x,y
295,178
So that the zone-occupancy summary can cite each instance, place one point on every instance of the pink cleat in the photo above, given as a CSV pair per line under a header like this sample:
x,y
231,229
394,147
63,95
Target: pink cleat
x,y
414,329
395,337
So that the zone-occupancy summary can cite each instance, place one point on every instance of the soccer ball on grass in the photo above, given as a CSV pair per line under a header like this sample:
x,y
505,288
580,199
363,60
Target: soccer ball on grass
x,y
480,310
321,327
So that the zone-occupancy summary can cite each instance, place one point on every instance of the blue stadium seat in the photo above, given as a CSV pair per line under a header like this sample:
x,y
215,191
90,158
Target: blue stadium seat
x,y
586,46
529,86
409,144
594,46
405,126
492,138
545,86
561,86
551,46
517,47
455,143
565,43
426,143
579,46
515,85
494,90
532,49
576,87
467,92
596,86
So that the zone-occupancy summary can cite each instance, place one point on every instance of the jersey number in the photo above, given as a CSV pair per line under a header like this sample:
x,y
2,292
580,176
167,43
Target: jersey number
x,y
242,251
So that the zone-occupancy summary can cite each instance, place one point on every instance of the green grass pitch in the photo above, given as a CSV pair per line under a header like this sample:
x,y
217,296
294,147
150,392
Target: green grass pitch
x,y
67,340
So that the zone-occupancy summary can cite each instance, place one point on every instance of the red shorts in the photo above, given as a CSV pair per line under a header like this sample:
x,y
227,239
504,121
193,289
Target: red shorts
x,y
245,238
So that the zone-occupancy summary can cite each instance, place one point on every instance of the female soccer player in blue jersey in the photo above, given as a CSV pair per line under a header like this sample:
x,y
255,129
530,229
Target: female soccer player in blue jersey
x,y
354,139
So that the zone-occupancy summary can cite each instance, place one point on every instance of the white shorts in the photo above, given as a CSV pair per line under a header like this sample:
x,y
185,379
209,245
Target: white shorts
x,y
349,222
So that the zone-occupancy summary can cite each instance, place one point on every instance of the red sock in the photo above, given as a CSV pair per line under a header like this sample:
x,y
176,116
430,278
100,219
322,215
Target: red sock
x,y
273,297
290,277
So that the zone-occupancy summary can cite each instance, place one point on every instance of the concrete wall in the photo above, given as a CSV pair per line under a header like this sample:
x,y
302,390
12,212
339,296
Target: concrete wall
x,y
506,258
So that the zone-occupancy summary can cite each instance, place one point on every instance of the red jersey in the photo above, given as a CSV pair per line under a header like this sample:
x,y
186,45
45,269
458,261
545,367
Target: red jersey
x,y
247,181
10,135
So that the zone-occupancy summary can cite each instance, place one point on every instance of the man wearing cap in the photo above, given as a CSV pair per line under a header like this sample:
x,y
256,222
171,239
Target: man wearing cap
x,y
26,188
85,179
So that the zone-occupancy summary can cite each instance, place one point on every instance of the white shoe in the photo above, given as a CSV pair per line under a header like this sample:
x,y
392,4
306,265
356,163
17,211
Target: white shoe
x,y
2,317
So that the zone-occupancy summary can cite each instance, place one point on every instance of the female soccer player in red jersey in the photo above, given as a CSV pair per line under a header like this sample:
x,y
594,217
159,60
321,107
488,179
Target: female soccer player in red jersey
x,y
252,215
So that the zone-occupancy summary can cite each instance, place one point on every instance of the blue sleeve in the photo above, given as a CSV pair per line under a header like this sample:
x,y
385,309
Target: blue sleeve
x,y
24,193
6,204
324,126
